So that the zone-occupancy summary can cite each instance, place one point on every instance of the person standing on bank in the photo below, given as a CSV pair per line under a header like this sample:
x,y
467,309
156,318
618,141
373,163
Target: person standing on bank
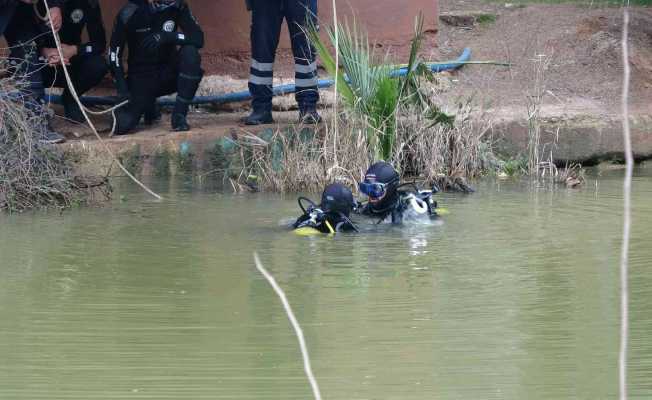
x,y
161,60
267,18
86,61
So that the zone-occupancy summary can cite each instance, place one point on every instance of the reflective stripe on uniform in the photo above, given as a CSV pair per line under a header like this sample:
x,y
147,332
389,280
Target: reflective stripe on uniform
x,y
305,69
261,80
263,67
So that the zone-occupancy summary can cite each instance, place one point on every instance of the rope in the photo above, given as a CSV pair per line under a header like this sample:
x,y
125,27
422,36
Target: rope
x,y
627,189
295,325
73,91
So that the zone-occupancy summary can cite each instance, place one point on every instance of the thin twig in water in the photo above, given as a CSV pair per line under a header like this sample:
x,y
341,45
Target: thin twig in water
x,y
627,189
295,325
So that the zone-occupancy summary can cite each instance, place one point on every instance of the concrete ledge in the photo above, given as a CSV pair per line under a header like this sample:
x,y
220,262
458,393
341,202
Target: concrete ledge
x,y
587,139
584,138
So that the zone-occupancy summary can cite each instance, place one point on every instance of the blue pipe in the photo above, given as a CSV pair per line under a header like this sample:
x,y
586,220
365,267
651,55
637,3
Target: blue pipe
x,y
278,90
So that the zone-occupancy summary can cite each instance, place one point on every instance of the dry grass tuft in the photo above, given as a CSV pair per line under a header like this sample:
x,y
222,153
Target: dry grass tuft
x,y
34,175
303,158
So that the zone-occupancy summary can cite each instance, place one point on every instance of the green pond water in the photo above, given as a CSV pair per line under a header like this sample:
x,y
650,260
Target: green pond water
x,y
514,296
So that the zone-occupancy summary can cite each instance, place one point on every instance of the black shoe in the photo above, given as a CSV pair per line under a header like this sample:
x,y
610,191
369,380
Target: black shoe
x,y
258,118
309,116
153,116
179,123
51,137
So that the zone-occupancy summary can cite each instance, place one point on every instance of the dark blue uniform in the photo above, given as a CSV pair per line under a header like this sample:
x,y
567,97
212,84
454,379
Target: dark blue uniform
x,y
89,66
161,60
267,19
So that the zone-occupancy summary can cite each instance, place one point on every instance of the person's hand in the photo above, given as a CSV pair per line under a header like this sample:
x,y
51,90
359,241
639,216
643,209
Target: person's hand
x,y
48,53
69,51
51,56
154,41
57,19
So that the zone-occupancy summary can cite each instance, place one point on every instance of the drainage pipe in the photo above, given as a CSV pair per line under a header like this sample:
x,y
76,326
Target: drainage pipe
x,y
278,90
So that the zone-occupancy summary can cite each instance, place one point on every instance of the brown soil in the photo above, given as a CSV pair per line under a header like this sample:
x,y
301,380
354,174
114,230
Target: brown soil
x,y
583,45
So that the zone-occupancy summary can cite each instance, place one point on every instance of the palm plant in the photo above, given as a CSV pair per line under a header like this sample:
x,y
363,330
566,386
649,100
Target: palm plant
x,y
375,91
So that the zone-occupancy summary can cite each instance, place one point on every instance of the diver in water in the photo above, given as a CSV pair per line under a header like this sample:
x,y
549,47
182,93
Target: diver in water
x,y
389,198
332,215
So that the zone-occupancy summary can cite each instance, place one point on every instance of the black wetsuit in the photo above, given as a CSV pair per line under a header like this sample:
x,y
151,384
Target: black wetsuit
x,y
24,33
89,66
161,60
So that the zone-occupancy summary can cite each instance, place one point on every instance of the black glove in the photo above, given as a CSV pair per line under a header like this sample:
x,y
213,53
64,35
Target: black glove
x,y
154,41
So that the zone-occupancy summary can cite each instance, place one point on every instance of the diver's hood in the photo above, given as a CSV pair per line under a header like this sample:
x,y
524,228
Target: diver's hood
x,y
337,198
383,172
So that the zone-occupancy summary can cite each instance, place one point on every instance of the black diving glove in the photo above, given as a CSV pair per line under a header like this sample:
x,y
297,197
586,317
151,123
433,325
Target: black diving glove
x,y
154,41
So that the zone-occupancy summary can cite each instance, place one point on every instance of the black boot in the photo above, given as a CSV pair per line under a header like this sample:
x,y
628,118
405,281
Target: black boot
x,y
309,115
179,123
153,115
258,117
71,108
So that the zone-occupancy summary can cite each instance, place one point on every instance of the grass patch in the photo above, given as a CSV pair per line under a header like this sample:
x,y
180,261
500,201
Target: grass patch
x,y
485,19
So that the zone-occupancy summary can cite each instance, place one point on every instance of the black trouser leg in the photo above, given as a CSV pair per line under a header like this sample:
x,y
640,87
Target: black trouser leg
x,y
143,89
300,14
188,79
267,18
25,64
87,71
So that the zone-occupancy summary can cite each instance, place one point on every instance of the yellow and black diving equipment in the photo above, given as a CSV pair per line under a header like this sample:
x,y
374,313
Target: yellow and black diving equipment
x,y
331,216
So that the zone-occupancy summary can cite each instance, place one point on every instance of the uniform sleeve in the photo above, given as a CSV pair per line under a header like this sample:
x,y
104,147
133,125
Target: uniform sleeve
x,y
192,32
45,38
116,48
96,32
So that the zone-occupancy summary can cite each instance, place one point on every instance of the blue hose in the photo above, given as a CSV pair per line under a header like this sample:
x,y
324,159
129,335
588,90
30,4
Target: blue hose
x,y
278,90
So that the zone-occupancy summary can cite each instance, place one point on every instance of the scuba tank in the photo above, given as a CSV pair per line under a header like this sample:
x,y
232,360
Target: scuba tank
x,y
417,203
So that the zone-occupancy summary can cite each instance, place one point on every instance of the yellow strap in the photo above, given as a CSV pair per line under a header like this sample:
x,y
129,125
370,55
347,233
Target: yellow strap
x,y
330,227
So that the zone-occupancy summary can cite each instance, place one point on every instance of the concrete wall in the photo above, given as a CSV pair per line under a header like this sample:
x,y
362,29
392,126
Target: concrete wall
x,y
227,22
